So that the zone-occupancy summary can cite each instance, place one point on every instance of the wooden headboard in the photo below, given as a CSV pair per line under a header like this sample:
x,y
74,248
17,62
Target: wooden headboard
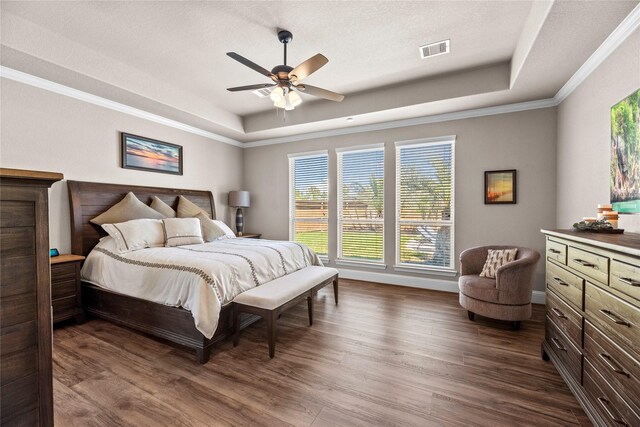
x,y
89,199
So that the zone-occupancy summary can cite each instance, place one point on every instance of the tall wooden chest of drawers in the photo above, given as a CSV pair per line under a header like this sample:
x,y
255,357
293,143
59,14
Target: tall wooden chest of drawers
x,y
593,321
26,396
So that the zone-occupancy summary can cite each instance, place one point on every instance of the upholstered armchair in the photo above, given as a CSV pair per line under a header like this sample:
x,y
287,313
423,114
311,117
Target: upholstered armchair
x,y
508,296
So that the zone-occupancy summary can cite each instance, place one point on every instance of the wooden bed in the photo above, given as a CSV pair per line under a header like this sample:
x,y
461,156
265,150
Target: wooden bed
x,y
89,199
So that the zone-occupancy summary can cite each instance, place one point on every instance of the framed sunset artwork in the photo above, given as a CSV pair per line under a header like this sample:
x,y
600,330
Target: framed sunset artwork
x,y
151,155
500,187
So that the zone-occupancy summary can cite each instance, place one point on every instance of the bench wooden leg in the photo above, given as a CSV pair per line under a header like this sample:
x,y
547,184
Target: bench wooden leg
x,y
236,324
335,290
272,319
310,307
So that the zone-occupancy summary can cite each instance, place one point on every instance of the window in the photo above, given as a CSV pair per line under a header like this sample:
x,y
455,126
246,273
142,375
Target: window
x,y
309,201
361,204
424,203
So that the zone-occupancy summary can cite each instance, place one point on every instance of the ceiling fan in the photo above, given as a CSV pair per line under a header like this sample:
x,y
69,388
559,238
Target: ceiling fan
x,y
286,79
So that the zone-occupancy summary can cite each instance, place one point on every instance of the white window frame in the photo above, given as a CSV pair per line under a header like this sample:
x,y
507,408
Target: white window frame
x,y
401,266
348,261
292,196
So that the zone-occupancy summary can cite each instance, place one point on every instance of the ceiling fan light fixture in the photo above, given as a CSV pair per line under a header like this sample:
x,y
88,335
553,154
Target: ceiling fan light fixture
x,y
294,98
277,95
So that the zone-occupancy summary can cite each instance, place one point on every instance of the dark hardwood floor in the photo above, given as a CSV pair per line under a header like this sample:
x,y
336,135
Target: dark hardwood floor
x,y
386,355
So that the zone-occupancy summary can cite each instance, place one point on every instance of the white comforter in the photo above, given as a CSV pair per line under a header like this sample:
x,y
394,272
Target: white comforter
x,y
199,278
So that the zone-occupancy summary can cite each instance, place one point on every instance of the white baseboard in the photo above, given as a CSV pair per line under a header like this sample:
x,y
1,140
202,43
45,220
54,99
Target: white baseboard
x,y
537,297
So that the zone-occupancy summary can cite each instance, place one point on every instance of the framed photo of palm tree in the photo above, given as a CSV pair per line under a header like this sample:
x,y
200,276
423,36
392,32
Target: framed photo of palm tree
x,y
500,187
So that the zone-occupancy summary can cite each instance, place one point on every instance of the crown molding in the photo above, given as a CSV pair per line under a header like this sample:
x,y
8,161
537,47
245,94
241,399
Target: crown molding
x,y
628,25
416,121
31,80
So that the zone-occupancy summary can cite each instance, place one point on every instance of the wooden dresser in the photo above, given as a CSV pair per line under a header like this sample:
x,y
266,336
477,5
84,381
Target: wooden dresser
x,y
593,321
26,396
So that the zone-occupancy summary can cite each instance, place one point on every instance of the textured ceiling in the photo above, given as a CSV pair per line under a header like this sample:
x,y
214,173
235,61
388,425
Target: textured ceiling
x,y
169,57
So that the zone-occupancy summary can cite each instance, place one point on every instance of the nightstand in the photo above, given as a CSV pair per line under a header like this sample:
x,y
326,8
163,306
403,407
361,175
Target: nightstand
x,y
251,235
65,288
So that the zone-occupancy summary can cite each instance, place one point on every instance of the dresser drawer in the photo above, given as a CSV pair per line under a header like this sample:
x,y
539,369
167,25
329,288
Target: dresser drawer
x,y
557,251
611,407
565,284
64,308
621,370
565,317
625,278
589,264
63,272
569,355
618,319
63,289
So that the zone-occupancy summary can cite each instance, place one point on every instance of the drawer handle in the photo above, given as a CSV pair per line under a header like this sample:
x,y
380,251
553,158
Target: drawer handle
x,y
556,342
560,282
614,317
558,313
605,405
608,360
585,263
629,281
554,251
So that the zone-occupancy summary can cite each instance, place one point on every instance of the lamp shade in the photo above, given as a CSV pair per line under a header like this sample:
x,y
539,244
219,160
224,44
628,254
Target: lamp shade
x,y
239,199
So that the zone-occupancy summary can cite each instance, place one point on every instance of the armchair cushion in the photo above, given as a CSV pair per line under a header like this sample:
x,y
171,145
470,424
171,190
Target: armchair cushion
x,y
496,258
477,287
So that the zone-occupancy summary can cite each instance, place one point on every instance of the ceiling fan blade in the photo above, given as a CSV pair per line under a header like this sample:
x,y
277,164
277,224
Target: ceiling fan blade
x,y
308,67
250,87
244,61
322,93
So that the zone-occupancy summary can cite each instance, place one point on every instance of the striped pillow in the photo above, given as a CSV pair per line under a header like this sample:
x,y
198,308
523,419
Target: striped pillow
x,y
182,231
496,259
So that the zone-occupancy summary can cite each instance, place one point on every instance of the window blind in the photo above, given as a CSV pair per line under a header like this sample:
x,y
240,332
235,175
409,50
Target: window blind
x,y
361,205
308,204
424,192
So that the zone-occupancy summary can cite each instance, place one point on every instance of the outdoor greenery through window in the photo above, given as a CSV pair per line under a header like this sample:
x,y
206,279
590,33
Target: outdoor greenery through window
x,y
424,203
361,205
308,205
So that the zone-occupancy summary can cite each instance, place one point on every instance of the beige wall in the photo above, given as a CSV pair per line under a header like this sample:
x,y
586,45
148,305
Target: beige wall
x,y
584,136
525,141
46,131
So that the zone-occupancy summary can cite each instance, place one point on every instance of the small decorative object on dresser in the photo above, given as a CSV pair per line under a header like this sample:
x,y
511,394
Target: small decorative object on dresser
x,y
26,395
593,321
65,288
239,199
500,187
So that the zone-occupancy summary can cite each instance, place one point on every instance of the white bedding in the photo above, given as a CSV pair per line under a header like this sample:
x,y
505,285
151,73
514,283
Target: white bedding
x,y
199,278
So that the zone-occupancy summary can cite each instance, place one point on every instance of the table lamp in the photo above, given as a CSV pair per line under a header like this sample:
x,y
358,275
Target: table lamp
x,y
239,199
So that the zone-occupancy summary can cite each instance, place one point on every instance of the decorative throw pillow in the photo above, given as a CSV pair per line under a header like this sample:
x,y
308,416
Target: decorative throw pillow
x,y
496,258
136,234
229,234
125,210
188,209
210,230
160,206
182,231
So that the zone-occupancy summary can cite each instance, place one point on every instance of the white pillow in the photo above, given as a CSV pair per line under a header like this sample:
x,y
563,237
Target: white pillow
x,y
136,234
182,231
127,209
229,234
210,230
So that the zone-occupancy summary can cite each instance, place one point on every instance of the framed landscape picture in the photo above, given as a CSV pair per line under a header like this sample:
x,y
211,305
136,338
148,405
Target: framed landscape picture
x,y
625,155
500,187
150,155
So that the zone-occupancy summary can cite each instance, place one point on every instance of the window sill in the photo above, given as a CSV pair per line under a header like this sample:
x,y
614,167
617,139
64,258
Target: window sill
x,y
425,270
364,264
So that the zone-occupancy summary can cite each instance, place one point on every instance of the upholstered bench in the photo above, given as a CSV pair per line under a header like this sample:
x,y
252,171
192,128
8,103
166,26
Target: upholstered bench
x,y
272,298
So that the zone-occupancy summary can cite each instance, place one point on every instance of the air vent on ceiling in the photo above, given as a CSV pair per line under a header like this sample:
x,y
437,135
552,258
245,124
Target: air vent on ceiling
x,y
262,93
435,49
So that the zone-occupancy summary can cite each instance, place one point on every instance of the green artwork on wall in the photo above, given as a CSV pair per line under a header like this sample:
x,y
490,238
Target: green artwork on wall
x,y
625,155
